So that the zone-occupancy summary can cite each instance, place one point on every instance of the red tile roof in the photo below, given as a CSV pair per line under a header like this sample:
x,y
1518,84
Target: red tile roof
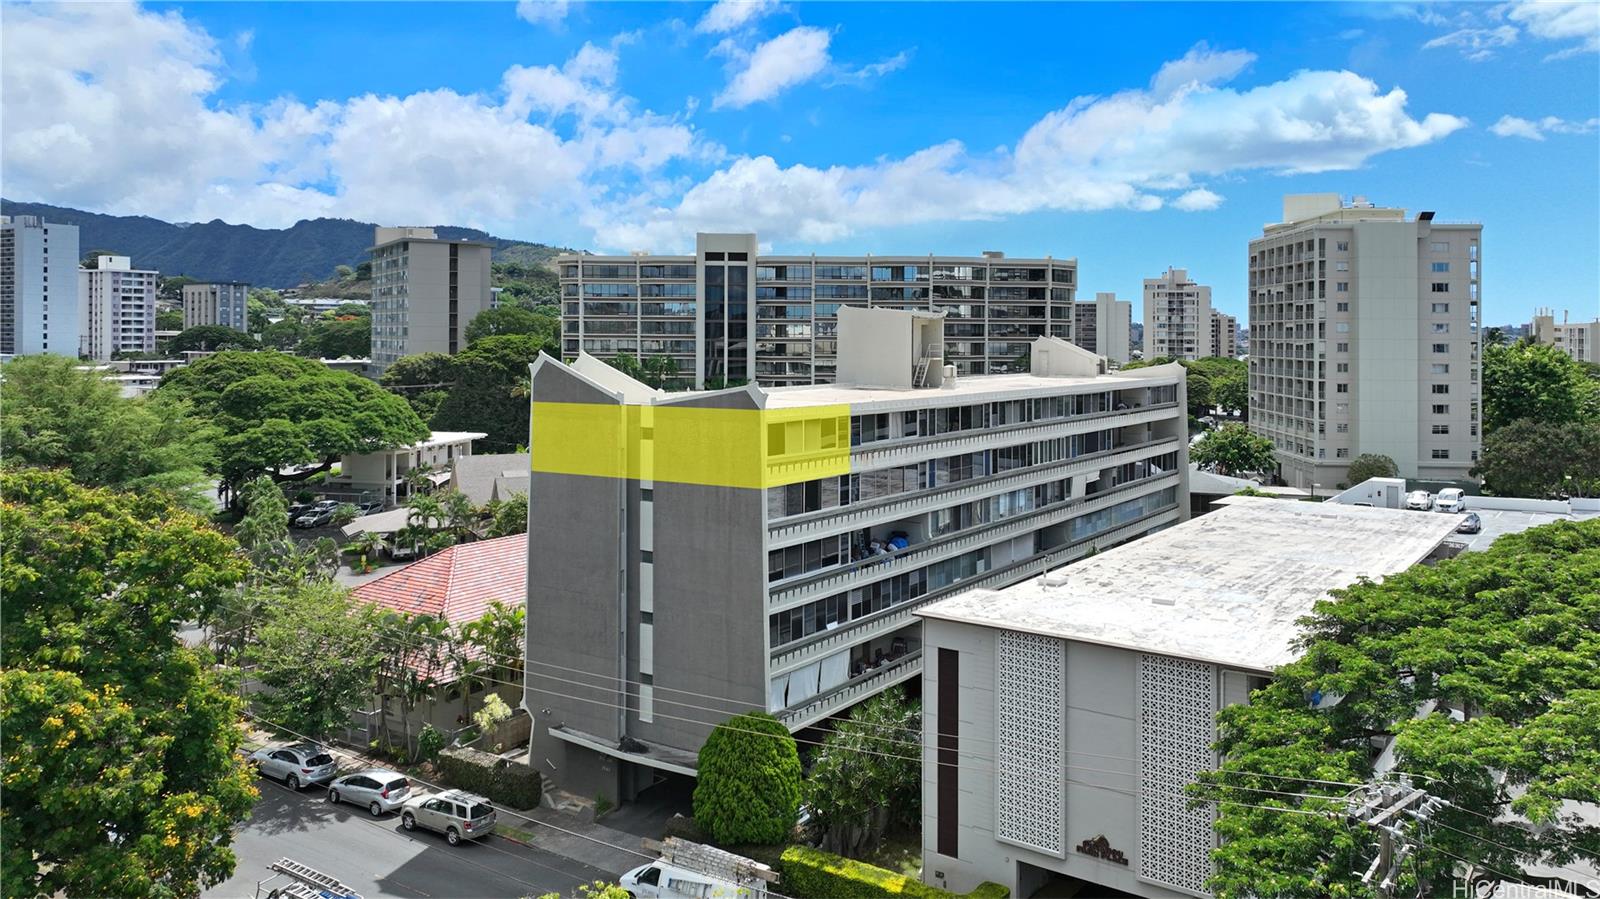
x,y
457,584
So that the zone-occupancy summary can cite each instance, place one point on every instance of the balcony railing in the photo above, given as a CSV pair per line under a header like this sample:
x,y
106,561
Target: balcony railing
x,y
853,691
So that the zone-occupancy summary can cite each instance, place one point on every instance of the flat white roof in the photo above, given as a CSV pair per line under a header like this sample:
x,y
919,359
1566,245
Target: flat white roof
x,y
967,387
1226,587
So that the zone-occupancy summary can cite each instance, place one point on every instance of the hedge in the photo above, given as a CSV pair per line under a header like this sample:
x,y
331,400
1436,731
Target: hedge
x,y
508,783
822,875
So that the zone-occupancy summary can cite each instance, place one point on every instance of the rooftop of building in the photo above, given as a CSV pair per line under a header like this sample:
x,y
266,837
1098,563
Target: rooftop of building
x,y
1308,210
1226,588
986,257
966,387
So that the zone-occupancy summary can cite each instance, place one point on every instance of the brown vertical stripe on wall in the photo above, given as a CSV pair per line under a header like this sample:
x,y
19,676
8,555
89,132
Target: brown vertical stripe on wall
x,y
949,730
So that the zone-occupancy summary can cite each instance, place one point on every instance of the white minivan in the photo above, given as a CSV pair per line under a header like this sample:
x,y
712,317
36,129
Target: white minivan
x,y
1451,499
659,880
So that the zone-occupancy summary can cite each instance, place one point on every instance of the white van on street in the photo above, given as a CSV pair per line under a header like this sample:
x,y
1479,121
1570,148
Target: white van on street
x,y
660,880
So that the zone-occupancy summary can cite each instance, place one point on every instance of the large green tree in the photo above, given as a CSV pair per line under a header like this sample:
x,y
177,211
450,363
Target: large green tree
x,y
337,338
423,379
169,320
488,392
278,410
867,775
1538,458
211,337
1485,672
55,415
1529,380
314,652
514,320
1371,465
748,789
1234,449
119,743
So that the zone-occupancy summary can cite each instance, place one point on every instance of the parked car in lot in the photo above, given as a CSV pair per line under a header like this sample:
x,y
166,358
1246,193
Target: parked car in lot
x,y
296,510
1421,500
318,515
1451,499
1472,524
296,765
371,507
379,789
457,814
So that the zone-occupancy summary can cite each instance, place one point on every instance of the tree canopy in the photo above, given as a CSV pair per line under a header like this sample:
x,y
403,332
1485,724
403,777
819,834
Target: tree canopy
x,y
1234,449
169,320
1529,380
1506,640
1371,465
423,379
1539,458
862,780
55,415
118,741
348,336
316,651
277,410
211,337
748,790
544,322
488,392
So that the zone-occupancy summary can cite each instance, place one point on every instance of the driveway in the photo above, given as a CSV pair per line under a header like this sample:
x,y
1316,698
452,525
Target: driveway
x,y
375,857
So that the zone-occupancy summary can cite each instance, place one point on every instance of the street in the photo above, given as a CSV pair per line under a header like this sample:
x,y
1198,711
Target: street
x,y
374,857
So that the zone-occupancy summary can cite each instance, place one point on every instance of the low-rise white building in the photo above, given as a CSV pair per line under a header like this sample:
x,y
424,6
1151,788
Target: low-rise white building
x,y
1066,714
382,474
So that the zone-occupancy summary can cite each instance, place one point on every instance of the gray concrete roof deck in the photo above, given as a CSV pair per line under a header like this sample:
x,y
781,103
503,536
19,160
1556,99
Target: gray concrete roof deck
x,y
965,389
1227,587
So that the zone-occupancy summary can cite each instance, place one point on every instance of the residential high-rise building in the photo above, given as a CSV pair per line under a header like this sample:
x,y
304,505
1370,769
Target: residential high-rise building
x,y
425,291
1364,339
218,303
796,529
117,308
1580,340
729,314
1224,335
1101,326
1177,317
38,315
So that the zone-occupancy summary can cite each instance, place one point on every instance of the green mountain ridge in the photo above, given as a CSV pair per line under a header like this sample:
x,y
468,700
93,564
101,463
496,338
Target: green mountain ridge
x,y
264,257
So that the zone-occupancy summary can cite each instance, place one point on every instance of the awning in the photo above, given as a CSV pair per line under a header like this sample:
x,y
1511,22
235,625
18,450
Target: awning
x,y
381,523
664,758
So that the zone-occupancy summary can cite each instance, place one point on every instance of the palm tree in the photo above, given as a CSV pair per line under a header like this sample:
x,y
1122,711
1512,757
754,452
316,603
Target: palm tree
x,y
367,544
343,514
458,514
425,510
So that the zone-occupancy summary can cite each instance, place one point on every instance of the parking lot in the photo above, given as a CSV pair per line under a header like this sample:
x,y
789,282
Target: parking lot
x,y
1497,523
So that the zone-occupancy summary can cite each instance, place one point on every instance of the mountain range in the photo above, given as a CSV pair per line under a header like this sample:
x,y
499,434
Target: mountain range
x,y
263,257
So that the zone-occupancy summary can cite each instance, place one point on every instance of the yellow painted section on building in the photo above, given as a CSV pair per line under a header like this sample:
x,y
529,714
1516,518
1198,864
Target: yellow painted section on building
x,y
748,448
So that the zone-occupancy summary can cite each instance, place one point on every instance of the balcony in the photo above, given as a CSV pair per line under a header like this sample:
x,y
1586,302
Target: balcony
x,y
853,691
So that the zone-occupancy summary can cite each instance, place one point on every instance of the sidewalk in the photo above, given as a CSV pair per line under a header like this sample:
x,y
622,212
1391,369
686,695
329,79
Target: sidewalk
x,y
596,845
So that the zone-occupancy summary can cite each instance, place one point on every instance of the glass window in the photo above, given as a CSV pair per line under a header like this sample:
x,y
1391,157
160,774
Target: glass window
x,y
1441,287
1441,454
1441,307
1440,246
1441,348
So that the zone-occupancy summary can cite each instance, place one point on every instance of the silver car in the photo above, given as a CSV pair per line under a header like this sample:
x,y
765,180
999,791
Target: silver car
x,y
297,765
379,790
457,814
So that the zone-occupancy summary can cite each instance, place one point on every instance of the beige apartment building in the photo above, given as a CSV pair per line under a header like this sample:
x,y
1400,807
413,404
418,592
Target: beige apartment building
x,y
1580,340
1224,334
730,314
1102,326
425,291
221,303
117,308
1177,316
1364,339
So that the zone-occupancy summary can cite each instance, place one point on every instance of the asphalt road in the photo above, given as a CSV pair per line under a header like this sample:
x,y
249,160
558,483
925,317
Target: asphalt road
x,y
374,857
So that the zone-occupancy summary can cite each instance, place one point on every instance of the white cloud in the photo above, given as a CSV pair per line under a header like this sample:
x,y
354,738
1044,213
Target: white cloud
x,y
1200,67
791,58
731,15
543,12
1476,44
1198,200
1512,126
873,70
1560,21
1124,151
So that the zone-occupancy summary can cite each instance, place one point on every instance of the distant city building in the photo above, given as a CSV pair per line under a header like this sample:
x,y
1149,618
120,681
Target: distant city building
x,y
1177,317
220,303
1364,339
728,314
425,291
796,529
1580,340
117,308
38,315
1065,717
1513,333
1224,334
1103,326
320,305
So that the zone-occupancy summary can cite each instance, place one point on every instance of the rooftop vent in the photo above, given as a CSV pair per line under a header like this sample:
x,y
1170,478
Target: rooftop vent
x,y
639,253
993,254
1057,578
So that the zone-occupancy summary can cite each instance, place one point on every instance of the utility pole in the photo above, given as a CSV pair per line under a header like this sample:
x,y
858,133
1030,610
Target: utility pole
x,y
1381,806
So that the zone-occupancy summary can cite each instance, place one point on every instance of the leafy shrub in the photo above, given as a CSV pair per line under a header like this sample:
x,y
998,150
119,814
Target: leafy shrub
x,y
823,875
1372,465
749,783
429,742
508,783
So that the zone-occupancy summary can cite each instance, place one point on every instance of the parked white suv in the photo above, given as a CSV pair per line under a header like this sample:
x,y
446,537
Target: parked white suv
x,y
297,765
378,789
1420,500
1451,499
457,814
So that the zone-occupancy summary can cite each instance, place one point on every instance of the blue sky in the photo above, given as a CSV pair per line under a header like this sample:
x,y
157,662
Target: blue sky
x,y
1132,136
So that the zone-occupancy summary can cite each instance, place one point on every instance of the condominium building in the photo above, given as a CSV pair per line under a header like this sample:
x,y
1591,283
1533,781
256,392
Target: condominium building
x,y
1580,340
1102,326
36,314
728,314
1177,317
219,303
425,291
1066,716
1364,339
117,308
1224,335
767,547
